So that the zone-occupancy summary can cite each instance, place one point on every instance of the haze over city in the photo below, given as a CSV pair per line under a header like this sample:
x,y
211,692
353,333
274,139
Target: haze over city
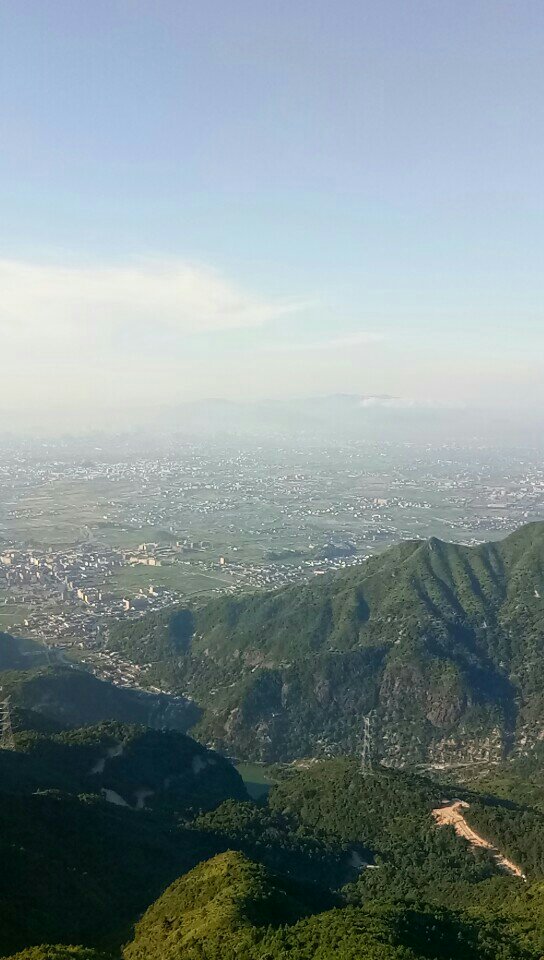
x,y
251,201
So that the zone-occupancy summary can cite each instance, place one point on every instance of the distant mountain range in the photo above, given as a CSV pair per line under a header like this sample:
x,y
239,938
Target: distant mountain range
x,y
344,417
350,415
442,643
325,417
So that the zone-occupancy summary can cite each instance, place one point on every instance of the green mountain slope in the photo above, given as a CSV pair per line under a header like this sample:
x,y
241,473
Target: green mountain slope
x,y
59,952
222,900
232,908
76,869
443,641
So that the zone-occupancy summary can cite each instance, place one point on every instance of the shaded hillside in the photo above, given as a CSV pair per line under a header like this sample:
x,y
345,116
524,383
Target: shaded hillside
x,y
443,641
80,870
151,768
70,697
282,842
17,654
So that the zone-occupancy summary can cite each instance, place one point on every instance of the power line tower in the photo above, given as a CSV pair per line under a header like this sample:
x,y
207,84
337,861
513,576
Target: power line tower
x,y
7,741
367,751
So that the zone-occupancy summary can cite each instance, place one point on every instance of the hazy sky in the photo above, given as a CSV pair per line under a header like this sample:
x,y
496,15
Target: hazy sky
x,y
249,198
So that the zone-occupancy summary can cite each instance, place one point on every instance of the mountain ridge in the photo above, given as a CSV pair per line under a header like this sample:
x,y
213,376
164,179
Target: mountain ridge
x,y
435,637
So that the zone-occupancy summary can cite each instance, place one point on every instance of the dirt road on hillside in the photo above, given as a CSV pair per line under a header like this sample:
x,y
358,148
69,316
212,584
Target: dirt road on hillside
x,y
453,815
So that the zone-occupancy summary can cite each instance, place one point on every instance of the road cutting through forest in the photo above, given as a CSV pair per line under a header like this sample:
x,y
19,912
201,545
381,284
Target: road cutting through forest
x,y
452,815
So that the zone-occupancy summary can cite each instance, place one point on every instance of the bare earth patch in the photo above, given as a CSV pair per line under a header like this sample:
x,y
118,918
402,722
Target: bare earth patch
x,y
452,815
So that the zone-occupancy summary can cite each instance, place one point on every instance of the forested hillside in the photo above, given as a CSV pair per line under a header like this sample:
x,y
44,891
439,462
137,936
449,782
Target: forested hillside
x,y
442,641
333,864
142,767
231,908
93,824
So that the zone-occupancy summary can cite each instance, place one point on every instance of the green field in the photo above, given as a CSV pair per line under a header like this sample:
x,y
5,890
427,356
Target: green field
x,y
122,537
176,576
12,615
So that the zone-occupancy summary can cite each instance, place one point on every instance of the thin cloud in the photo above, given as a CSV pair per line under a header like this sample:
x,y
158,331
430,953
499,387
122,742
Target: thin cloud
x,y
362,338
51,301
359,339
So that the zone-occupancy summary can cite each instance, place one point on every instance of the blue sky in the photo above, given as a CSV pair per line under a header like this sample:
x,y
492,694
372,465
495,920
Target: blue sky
x,y
255,198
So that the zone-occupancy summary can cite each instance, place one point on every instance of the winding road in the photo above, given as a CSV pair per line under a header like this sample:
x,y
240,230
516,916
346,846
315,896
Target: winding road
x,y
452,815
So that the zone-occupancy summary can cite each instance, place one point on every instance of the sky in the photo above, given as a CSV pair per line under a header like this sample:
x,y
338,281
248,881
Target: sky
x,y
270,198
